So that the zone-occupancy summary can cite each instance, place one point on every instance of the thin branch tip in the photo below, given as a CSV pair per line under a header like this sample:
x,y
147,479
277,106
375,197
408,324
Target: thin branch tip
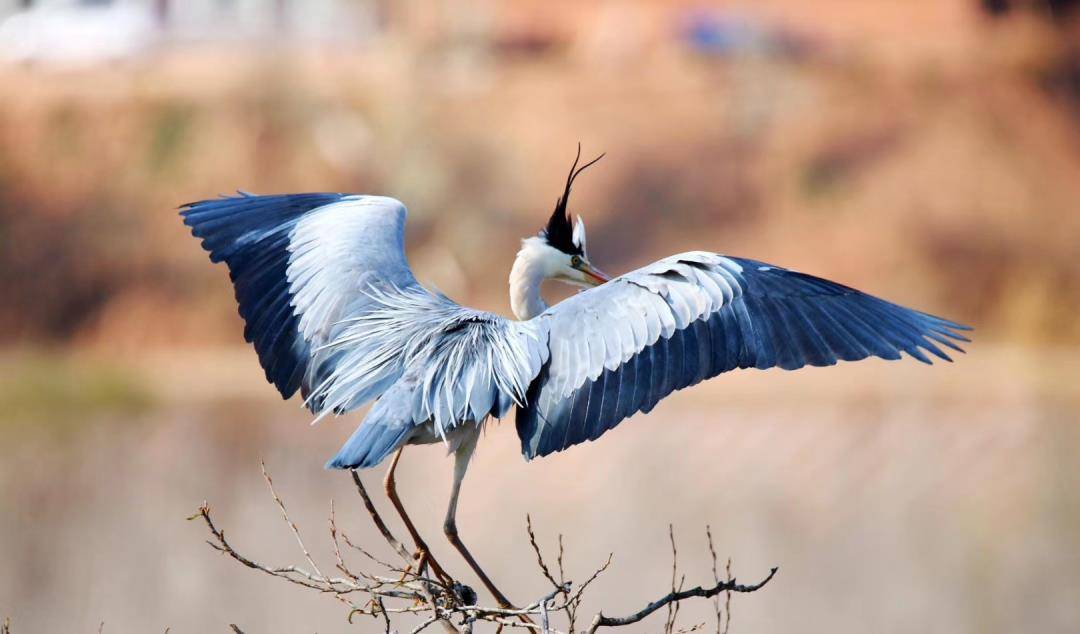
x,y
400,588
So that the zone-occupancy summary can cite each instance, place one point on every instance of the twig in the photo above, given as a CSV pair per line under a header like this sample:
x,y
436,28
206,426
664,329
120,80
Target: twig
x,y
423,626
672,607
545,624
222,545
236,629
410,591
607,621
383,612
574,602
390,567
337,546
716,577
599,571
562,574
536,549
727,601
292,525
532,608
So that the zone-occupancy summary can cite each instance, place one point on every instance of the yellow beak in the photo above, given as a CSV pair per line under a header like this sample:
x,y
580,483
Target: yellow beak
x,y
595,276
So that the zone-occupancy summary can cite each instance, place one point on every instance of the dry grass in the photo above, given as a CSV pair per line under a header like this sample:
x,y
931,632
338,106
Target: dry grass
x,y
944,177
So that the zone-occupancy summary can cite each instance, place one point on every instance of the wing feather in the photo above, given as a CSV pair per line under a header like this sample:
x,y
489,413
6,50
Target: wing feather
x,y
333,310
622,347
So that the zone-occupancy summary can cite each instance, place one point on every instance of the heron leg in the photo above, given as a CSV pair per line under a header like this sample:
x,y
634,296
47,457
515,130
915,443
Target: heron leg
x,y
423,552
461,463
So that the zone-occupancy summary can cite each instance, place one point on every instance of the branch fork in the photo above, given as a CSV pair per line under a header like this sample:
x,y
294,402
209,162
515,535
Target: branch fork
x,y
404,587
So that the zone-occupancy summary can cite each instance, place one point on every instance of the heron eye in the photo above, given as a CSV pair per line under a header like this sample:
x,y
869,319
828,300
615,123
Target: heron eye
x,y
575,261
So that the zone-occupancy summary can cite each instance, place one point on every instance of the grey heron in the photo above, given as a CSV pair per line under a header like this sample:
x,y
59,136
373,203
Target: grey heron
x,y
334,311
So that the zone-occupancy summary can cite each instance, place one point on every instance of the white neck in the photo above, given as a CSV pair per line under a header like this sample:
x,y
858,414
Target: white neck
x,y
526,276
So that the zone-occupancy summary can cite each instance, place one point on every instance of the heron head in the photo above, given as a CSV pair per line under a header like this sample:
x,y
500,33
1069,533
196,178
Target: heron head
x,y
561,244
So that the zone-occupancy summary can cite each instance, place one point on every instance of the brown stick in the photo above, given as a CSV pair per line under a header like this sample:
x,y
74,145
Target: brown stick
x,y
725,586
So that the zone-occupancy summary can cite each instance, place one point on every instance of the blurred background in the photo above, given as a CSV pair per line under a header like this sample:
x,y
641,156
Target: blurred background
x,y
927,151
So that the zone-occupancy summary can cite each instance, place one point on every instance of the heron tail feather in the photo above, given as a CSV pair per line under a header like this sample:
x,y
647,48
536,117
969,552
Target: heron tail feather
x,y
386,427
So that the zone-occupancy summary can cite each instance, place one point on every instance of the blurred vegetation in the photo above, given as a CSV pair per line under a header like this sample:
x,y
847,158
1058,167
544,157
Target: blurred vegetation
x,y
58,391
926,150
950,174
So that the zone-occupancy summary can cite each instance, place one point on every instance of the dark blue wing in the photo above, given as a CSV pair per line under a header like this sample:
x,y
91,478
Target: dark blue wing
x,y
691,317
251,235
302,264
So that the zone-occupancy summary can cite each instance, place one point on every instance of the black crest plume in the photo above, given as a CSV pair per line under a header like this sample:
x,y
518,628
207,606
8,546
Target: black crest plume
x,y
559,231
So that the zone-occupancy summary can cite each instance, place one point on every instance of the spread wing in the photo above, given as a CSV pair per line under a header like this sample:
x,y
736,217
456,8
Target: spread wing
x,y
620,348
333,310
301,266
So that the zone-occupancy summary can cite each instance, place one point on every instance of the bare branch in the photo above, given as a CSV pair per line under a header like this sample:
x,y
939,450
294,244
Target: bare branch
x,y
337,547
672,607
562,574
599,571
716,577
539,557
407,590
727,602
423,626
292,525
607,621
222,545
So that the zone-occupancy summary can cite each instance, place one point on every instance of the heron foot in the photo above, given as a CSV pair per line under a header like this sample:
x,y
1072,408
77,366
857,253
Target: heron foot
x,y
423,559
464,594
